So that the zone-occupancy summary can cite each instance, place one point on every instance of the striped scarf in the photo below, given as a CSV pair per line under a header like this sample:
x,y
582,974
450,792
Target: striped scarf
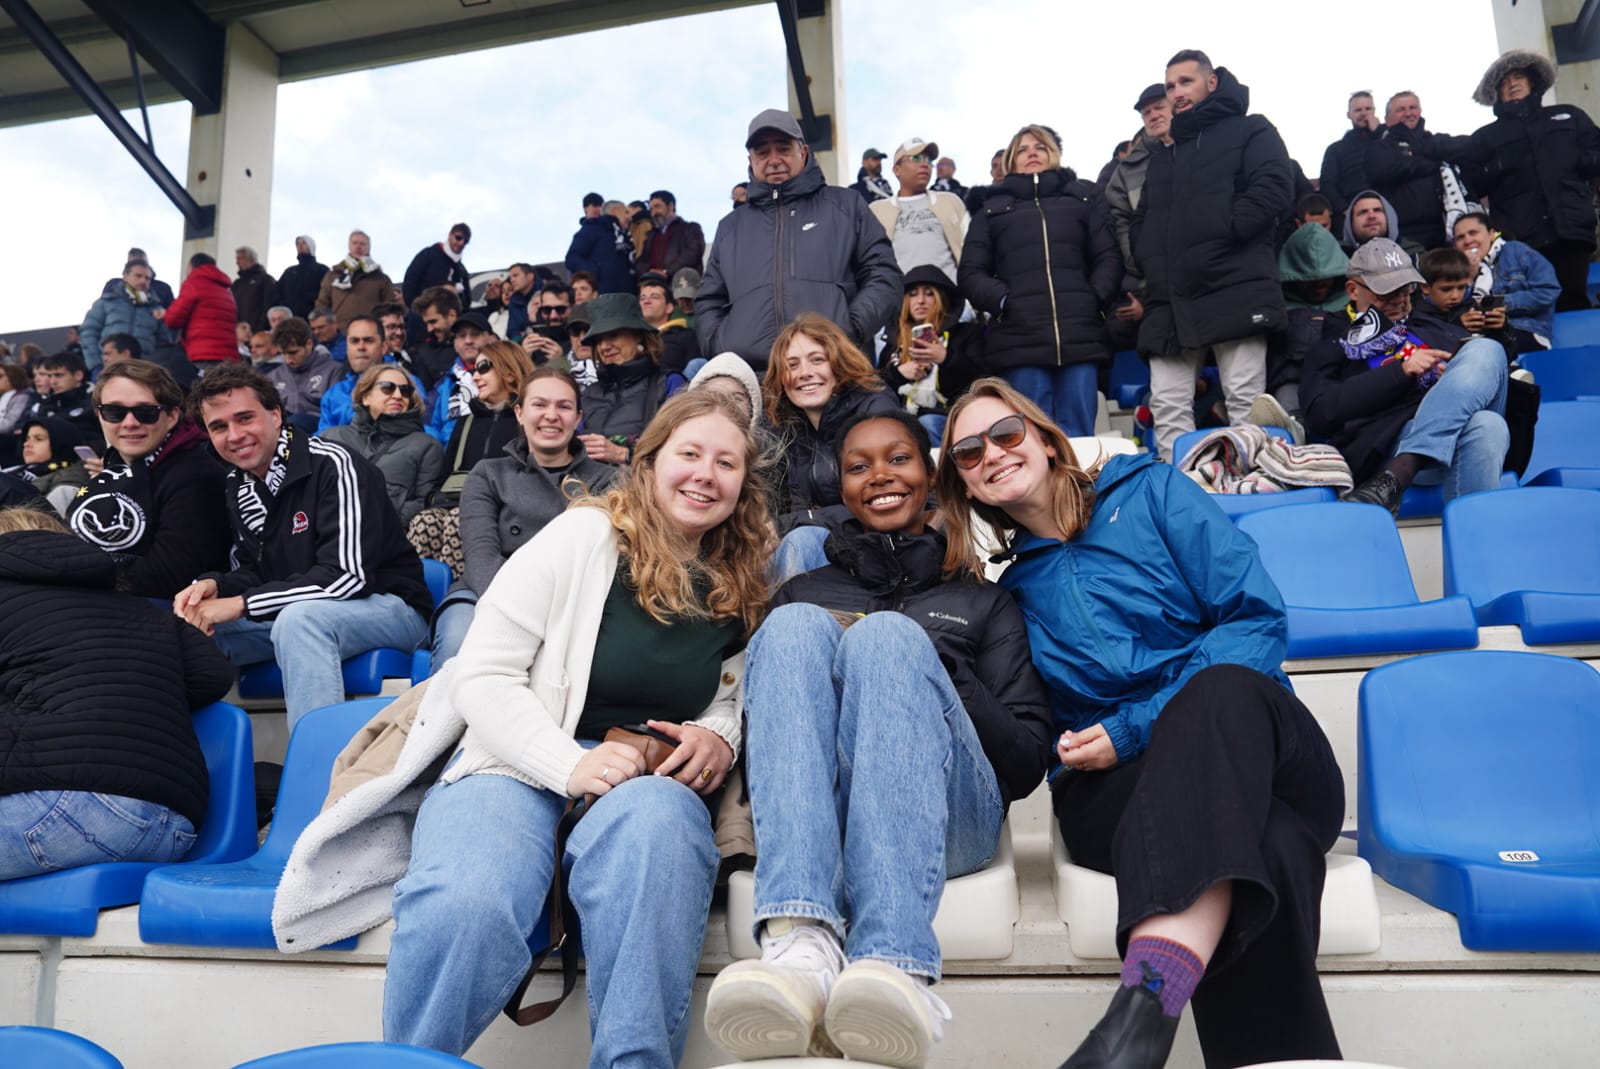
x,y
252,505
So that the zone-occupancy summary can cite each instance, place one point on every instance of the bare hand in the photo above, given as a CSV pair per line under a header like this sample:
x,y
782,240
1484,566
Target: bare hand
x,y
702,759
929,352
213,611
1472,320
1420,361
604,767
1133,311
159,314
603,449
94,466
1089,750
911,370
534,342
192,595
1494,318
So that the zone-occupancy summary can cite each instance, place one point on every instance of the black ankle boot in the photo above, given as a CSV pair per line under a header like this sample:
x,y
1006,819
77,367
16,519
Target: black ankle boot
x,y
1134,1034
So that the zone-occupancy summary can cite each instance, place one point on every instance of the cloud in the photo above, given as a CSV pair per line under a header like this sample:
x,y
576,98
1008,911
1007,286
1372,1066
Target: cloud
x,y
510,139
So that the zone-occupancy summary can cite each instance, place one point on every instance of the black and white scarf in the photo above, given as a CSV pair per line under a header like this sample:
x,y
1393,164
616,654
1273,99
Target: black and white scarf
x,y
252,505
1483,281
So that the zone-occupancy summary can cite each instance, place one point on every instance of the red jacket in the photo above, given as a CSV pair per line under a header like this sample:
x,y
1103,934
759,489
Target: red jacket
x,y
205,312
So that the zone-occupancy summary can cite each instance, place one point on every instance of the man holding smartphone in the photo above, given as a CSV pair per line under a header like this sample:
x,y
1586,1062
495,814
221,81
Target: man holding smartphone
x,y
1404,407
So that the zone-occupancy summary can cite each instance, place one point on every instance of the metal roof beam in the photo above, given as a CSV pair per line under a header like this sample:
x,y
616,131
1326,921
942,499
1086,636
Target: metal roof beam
x,y
177,39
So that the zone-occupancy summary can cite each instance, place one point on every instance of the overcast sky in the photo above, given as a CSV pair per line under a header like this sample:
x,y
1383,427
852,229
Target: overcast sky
x,y
511,139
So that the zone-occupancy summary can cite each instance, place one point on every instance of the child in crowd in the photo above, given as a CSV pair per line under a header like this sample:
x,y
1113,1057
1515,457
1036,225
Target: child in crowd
x,y
1442,299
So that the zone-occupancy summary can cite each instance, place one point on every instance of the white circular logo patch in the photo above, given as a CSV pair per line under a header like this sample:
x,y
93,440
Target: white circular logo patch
x,y
110,520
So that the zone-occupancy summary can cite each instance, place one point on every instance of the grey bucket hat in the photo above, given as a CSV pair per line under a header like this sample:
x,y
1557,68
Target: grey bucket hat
x,y
615,311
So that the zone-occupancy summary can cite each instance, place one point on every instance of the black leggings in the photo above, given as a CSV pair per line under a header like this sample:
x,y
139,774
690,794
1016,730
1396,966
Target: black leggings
x,y
1238,783
1571,261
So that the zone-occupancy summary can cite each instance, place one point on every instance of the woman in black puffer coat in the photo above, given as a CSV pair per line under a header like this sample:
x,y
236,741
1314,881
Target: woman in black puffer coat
x,y
1042,260
96,691
1537,165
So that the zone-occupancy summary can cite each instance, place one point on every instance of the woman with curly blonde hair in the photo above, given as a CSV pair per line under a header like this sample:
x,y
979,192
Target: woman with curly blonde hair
x,y
631,609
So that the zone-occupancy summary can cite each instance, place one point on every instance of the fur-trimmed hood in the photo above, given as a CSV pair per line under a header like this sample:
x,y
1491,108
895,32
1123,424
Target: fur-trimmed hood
x,y
1541,72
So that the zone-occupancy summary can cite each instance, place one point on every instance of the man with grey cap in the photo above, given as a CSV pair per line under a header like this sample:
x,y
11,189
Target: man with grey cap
x,y
870,182
1406,399
1126,185
925,226
798,245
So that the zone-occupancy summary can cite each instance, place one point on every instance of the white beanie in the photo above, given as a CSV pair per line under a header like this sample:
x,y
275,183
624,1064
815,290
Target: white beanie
x,y
733,366
311,244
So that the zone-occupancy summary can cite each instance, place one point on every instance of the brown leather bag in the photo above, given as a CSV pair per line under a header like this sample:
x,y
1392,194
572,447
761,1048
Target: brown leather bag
x,y
563,915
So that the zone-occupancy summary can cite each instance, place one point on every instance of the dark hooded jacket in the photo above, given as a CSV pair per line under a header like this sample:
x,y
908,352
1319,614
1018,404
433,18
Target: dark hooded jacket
x,y
1205,227
252,294
1403,165
810,468
601,247
1040,258
1344,170
976,629
432,266
625,397
1347,237
1536,163
162,518
298,286
804,246
97,687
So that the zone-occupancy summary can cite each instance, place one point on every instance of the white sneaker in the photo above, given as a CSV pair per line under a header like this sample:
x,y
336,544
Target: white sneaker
x,y
773,1008
1265,411
879,1014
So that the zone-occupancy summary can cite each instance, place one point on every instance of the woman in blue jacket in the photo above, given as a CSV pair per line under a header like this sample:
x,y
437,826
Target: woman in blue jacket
x,y
1189,770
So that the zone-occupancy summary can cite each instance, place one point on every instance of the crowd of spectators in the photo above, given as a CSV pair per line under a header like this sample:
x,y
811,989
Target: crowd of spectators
x,y
273,456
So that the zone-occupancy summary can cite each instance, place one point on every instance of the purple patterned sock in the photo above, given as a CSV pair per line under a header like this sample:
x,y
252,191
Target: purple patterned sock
x,y
1169,970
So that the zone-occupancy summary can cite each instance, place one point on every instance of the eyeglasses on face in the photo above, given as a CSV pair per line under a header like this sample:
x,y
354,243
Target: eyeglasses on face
x,y
407,390
482,367
143,413
1007,432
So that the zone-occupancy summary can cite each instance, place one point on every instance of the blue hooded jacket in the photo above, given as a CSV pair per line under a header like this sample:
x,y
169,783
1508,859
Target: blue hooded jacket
x,y
1158,586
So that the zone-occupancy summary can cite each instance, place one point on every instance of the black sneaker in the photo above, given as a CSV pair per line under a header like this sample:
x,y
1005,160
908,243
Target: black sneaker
x,y
1383,489
1135,1033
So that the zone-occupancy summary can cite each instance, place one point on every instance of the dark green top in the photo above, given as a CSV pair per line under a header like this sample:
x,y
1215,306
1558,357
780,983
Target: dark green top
x,y
645,670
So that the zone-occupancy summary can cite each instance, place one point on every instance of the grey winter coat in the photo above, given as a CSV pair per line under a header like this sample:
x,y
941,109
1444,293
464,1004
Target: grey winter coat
x,y
509,499
1123,190
411,459
804,246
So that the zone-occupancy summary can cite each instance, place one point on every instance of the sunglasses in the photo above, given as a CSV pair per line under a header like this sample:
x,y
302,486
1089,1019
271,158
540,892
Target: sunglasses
x,y
1007,432
143,413
407,390
483,367
546,310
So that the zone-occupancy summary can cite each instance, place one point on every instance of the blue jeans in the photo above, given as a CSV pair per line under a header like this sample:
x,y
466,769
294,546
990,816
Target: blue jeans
x,y
1067,394
640,870
1460,426
450,630
45,831
933,423
799,552
311,639
915,800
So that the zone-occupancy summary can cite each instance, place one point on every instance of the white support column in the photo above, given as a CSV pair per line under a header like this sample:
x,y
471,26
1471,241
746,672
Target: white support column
x,y
822,51
230,153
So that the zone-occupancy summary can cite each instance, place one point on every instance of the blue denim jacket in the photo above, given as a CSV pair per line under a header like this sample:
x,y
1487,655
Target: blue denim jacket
x,y
1529,285
1158,586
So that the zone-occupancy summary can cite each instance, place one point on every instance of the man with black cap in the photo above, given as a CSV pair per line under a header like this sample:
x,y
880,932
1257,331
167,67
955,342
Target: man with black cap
x,y
870,182
925,226
799,245
1126,185
601,247
1405,399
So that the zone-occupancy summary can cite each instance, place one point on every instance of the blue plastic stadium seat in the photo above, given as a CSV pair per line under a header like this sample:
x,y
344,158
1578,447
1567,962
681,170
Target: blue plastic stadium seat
x,y
1575,329
1343,575
231,905
69,902
1528,557
365,672
1426,502
26,1047
1594,280
1130,377
357,1056
1478,793
1564,374
1566,436
1576,478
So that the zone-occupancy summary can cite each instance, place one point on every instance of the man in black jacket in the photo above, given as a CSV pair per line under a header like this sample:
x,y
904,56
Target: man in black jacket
x,y
1203,236
1344,164
252,290
297,287
1404,164
799,245
321,566
440,264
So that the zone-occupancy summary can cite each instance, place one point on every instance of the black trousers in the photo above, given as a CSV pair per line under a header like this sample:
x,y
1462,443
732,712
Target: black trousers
x,y
1571,261
1238,783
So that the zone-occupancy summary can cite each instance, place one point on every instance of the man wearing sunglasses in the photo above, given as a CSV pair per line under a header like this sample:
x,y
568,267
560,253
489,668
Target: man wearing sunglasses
x,y
322,571
925,226
469,332
1405,399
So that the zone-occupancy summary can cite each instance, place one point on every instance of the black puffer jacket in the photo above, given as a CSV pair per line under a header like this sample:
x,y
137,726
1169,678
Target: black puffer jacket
x,y
297,287
803,246
1344,171
975,627
1204,228
810,471
1536,165
96,687
1041,257
1403,165
626,397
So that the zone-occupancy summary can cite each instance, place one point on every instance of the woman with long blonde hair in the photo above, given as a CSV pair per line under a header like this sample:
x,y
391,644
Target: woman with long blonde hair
x,y
1187,768
629,610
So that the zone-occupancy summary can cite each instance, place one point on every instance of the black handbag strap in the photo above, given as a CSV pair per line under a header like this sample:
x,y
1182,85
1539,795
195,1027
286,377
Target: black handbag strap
x,y
564,935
